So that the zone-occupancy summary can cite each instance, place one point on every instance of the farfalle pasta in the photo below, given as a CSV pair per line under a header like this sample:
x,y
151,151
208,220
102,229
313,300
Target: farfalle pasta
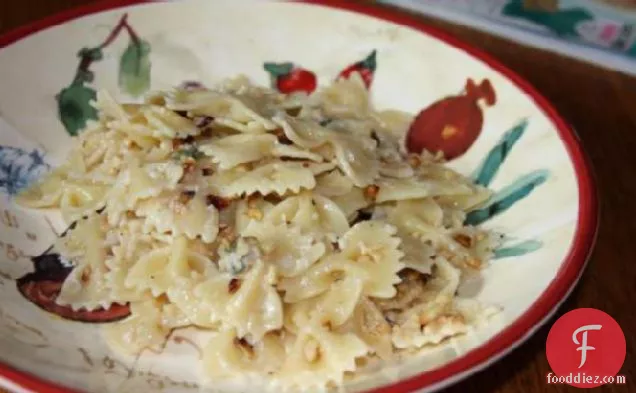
x,y
295,230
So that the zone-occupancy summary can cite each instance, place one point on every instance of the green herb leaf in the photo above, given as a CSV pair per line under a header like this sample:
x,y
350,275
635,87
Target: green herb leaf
x,y
188,151
74,107
134,68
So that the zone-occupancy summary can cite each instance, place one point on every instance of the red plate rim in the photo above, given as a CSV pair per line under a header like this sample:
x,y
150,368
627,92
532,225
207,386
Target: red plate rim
x,y
502,343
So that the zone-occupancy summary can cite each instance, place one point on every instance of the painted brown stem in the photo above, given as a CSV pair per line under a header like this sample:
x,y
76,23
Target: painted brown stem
x,y
123,23
87,61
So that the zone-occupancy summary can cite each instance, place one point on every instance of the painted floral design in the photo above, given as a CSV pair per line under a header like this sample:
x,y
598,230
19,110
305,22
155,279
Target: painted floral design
x,y
74,101
450,125
289,77
19,168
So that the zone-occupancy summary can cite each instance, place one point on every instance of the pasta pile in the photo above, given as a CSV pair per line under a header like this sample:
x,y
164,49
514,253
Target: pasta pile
x,y
294,229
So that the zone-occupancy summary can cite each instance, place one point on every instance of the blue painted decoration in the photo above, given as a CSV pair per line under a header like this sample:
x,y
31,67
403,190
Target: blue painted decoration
x,y
19,168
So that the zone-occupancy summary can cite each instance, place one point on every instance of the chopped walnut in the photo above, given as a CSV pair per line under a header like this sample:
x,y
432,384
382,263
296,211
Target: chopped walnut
x,y
86,275
473,262
176,144
464,240
312,351
234,285
218,202
246,167
282,138
376,138
202,121
371,192
189,165
337,275
244,346
186,196
227,233
445,253
414,161
205,133
443,320
132,145
372,319
178,203
293,112
273,198
255,214
410,289
252,200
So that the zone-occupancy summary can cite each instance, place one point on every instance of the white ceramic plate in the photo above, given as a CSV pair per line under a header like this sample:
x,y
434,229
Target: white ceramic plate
x,y
534,155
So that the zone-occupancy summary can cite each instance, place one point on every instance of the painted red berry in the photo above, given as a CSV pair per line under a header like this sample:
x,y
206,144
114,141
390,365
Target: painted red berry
x,y
288,78
365,67
452,124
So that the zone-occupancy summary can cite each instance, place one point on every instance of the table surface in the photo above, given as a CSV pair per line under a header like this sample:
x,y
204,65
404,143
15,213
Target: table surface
x,y
601,105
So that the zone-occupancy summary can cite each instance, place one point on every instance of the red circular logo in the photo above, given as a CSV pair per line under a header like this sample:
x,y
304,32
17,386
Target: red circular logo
x,y
585,348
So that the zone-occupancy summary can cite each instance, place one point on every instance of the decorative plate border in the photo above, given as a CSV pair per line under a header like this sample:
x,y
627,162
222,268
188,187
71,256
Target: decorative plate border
x,y
524,326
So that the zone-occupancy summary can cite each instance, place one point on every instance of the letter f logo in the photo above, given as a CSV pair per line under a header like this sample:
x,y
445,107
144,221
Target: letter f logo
x,y
584,347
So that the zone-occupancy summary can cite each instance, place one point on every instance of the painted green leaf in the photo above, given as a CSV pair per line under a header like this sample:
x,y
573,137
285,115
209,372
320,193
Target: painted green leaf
x,y
518,249
489,168
74,108
188,151
278,69
507,197
370,62
134,68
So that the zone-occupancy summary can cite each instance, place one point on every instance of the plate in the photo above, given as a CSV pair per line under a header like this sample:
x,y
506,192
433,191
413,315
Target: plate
x,y
544,201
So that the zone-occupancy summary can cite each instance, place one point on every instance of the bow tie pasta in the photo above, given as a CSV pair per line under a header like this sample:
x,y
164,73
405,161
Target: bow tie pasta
x,y
294,230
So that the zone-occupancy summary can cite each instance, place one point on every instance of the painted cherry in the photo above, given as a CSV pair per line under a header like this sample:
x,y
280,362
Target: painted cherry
x,y
288,78
365,67
452,124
